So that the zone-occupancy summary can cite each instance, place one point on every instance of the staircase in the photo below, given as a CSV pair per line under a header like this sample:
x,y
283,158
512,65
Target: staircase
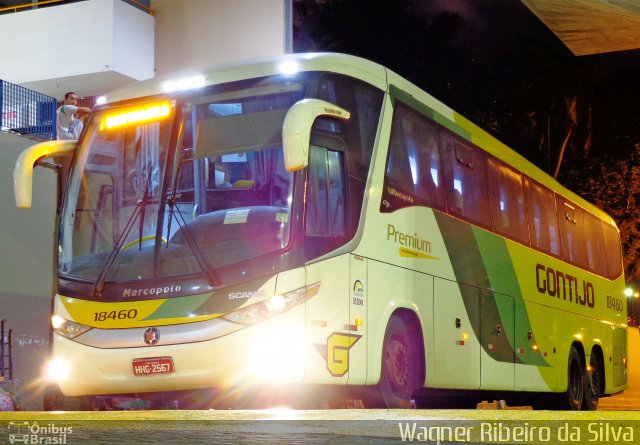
x,y
6,349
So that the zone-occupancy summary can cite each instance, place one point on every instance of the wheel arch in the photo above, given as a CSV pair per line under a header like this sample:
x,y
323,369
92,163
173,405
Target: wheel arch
x,y
580,348
563,378
411,317
599,354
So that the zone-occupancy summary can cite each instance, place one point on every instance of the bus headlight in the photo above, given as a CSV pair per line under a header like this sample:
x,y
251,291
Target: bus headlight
x,y
56,370
66,328
272,306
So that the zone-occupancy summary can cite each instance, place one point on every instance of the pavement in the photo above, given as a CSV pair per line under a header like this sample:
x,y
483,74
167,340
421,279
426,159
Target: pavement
x,y
353,426
617,421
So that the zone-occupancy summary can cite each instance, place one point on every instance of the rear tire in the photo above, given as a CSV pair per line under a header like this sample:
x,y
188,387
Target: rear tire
x,y
593,384
573,397
400,372
53,399
576,384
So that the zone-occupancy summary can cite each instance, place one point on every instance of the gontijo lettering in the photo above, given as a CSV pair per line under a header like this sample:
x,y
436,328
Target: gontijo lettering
x,y
562,285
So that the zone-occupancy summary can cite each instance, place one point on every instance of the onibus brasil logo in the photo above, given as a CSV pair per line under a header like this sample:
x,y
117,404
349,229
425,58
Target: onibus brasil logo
x,y
33,433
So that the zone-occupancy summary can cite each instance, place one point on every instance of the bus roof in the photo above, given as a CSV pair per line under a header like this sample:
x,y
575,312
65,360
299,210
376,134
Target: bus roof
x,y
284,64
360,68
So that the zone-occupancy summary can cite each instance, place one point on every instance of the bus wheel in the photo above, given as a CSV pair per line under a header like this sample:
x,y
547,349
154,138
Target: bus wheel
x,y
593,384
53,399
575,387
400,370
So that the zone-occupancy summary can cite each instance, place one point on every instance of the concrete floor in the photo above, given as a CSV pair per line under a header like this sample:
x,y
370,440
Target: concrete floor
x,y
322,427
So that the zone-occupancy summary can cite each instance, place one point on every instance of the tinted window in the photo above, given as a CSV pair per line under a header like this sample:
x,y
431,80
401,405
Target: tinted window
x,y
613,253
325,194
413,166
465,180
572,233
543,220
325,216
594,244
508,212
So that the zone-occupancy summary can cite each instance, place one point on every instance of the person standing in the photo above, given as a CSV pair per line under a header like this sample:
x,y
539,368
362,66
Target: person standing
x,y
68,124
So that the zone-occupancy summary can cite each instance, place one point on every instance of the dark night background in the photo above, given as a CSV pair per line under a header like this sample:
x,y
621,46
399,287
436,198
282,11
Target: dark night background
x,y
493,61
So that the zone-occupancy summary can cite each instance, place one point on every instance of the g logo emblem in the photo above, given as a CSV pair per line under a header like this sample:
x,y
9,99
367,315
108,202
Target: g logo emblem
x,y
338,346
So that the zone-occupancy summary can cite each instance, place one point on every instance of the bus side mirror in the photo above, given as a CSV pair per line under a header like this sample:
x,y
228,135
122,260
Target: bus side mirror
x,y
23,170
296,129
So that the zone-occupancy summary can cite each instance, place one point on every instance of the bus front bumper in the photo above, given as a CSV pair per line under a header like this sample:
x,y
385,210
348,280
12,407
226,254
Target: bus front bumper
x,y
270,352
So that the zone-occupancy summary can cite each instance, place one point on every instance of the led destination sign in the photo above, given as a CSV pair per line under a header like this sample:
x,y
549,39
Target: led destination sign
x,y
136,115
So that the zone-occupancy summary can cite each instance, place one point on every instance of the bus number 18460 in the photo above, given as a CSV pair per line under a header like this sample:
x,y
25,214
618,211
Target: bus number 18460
x,y
113,315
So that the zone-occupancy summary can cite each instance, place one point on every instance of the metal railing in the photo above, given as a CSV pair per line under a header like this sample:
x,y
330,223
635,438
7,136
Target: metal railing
x,y
6,353
144,5
15,8
27,112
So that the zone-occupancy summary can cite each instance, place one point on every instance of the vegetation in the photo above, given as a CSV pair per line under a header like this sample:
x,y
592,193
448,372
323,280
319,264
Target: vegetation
x,y
575,117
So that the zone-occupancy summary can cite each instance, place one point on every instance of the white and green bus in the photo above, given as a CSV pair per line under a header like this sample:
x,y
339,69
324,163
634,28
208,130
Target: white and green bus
x,y
317,221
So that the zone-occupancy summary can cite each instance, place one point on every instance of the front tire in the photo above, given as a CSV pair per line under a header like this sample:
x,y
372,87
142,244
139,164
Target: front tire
x,y
400,372
53,399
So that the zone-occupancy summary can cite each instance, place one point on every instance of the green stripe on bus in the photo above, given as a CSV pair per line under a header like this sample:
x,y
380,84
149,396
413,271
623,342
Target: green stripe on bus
x,y
497,262
482,264
179,307
503,279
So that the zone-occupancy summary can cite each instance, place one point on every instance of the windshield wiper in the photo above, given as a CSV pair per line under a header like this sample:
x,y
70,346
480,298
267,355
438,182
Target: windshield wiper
x,y
143,207
96,291
140,209
200,257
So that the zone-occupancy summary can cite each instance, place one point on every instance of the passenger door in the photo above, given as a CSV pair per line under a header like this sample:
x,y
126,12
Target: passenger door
x,y
327,313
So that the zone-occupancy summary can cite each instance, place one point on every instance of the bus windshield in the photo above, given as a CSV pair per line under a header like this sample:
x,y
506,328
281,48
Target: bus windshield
x,y
138,209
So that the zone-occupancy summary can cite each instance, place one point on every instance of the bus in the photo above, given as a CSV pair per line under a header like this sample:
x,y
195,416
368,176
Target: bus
x,y
317,221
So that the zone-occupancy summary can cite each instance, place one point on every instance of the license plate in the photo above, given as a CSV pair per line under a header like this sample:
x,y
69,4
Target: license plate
x,y
152,365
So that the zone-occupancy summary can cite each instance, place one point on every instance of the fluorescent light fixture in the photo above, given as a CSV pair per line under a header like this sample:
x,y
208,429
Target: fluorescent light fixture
x,y
289,68
184,83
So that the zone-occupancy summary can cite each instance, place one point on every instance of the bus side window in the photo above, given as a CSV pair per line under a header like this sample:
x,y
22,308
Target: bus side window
x,y
465,179
613,253
398,173
594,240
572,233
508,211
543,219
414,166
325,224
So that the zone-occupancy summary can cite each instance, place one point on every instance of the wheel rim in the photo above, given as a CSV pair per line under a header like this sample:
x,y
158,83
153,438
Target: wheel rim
x,y
594,386
397,365
399,370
